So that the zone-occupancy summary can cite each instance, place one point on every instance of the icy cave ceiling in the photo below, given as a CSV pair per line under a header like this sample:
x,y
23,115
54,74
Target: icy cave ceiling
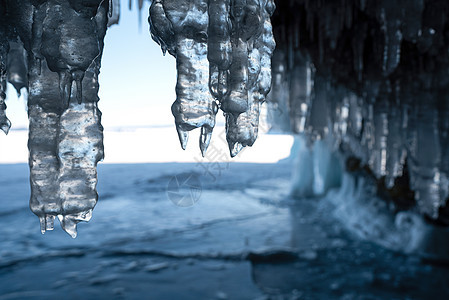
x,y
367,76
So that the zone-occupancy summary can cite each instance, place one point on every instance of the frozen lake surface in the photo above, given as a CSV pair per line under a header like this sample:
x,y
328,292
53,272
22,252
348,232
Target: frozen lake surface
x,y
242,237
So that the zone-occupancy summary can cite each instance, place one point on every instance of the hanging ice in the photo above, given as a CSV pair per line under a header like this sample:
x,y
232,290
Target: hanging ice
x,y
301,86
17,66
64,42
5,124
223,50
278,97
182,26
242,129
371,76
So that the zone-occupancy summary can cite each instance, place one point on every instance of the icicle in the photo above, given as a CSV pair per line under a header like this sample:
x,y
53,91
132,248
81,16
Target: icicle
x,y
278,97
43,113
340,115
193,32
247,25
17,67
69,42
114,12
5,124
358,45
355,115
301,85
426,158
161,28
219,47
391,27
318,122
242,129
194,106
378,161
80,148
394,162
443,130
65,139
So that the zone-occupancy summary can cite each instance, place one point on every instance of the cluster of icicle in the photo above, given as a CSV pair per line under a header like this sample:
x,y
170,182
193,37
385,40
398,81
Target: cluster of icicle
x,y
53,48
223,52
371,77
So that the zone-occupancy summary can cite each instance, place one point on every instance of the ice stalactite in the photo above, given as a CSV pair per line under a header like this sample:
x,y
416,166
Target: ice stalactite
x,y
219,47
278,97
390,20
5,124
181,28
372,77
301,85
425,159
378,159
242,129
114,12
223,55
17,66
318,123
64,42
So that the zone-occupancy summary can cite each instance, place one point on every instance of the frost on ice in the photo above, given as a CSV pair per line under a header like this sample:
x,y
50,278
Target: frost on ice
x,y
223,54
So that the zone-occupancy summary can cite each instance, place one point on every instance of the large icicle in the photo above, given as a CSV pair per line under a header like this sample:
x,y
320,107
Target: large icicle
x,y
64,41
242,129
184,24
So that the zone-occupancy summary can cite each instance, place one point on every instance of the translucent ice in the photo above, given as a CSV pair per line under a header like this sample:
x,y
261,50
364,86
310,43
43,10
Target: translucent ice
x,y
183,25
278,97
242,129
301,85
64,42
5,124
223,54
371,78
17,66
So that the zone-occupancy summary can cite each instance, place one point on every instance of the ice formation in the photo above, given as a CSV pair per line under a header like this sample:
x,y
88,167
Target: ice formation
x,y
55,49
365,78
223,54
370,78
5,124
